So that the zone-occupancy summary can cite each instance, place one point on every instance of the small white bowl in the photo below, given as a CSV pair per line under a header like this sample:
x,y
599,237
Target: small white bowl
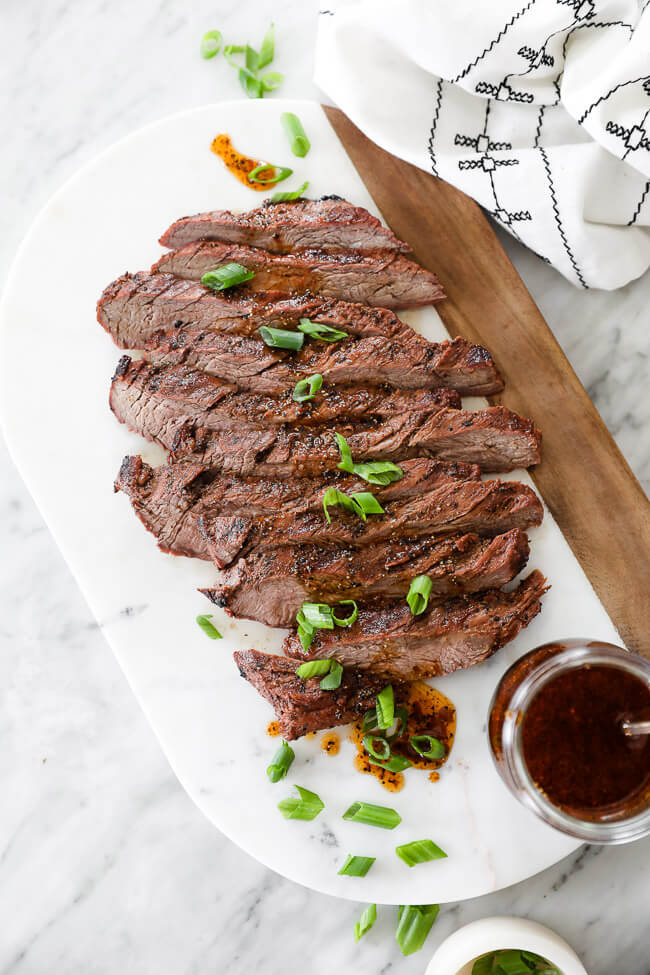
x,y
456,954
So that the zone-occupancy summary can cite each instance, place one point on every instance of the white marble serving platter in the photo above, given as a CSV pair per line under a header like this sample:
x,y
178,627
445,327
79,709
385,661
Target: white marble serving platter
x,y
56,368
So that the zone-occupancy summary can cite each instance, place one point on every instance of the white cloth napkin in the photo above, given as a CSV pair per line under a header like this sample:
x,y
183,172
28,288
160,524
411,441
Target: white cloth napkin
x,y
538,109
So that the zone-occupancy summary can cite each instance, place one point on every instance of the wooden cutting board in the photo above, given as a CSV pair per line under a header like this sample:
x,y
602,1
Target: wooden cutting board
x,y
583,478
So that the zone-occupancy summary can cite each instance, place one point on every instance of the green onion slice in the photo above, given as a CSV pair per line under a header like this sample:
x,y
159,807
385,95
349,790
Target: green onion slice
x,y
318,330
366,812
271,81
208,628
356,866
210,44
418,594
377,747
333,679
252,58
313,668
279,173
367,503
399,725
484,965
289,194
306,807
267,50
381,472
369,721
394,764
427,746
366,921
298,140
306,389
346,463
385,707
281,762
333,496
281,338
318,615
347,620
419,851
226,276
415,922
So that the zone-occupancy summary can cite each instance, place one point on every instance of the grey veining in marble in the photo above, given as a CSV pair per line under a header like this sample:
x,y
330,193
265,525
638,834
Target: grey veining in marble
x,y
105,864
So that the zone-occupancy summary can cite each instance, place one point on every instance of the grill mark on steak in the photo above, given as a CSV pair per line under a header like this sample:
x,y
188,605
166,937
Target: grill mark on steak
x,y
300,705
272,586
458,633
328,224
169,500
251,364
379,277
485,507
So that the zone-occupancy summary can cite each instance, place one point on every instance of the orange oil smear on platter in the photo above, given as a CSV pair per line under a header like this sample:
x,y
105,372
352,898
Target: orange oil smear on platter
x,y
331,743
310,734
429,713
273,730
239,164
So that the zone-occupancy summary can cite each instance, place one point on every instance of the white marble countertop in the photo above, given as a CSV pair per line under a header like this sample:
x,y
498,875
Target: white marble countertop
x,y
106,865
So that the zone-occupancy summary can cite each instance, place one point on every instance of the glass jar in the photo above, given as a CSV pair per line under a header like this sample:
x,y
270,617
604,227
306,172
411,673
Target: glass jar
x,y
511,738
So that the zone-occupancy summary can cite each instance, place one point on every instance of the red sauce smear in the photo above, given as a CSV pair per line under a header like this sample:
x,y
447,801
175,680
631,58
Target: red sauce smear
x,y
239,164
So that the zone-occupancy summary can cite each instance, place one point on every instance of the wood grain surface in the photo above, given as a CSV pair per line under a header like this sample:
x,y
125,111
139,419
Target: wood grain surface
x,y
583,478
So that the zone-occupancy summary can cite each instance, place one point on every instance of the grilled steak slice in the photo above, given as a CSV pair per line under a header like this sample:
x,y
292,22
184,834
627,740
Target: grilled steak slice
x,y
484,507
272,586
172,395
378,277
251,364
460,632
327,224
300,705
496,439
170,499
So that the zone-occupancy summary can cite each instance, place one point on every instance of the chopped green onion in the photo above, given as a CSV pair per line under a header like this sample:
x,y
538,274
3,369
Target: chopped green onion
x,y
394,764
292,125
252,58
366,812
305,630
377,747
210,44
289,194
356,866
231,49
368,503
484,965
369,721
267,50
415,922
279,173
313,668
271,81
511,963
418,594
306,389
367,920
348,620
306,807
281,762
385,707
318,615
208,628
346,463
281,338
318,330
333,496
419,851
381,472
333,679
427,746
247,77
399,724
226,276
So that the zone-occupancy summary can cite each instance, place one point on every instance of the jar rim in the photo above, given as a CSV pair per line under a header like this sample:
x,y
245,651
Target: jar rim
x,y
576,654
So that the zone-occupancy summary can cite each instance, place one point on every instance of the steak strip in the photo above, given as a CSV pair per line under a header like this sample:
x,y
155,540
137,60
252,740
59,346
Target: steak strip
x,y
272,586
375,277
329,224
484,507
300,705
169,500
251,364
392,643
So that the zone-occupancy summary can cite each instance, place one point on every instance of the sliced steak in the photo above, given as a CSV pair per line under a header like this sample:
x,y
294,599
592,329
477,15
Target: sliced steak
x,y
272,586
173,394
379,277
170,499
496,439
485,507
300,705
328,224
458,633
251,364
